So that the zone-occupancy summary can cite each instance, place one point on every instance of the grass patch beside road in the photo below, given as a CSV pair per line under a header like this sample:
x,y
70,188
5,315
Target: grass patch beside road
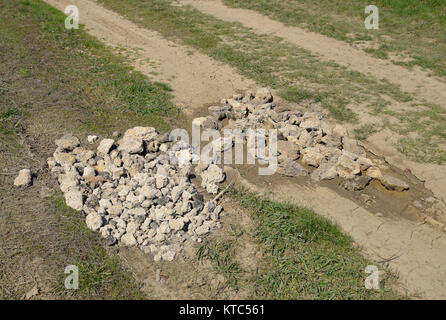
x,y
100,273
54,81
301,255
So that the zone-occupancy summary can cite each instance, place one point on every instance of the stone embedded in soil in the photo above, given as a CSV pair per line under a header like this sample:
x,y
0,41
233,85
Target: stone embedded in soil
x,y
393,183
292,168
356,183
24,178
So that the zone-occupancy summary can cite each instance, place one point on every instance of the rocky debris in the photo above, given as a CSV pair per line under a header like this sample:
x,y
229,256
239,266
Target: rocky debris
x,y
304,138
105,146
211,176
91,139
137,191
24,179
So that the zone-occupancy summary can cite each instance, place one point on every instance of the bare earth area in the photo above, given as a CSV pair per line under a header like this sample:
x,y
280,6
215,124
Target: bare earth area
x,y
412,249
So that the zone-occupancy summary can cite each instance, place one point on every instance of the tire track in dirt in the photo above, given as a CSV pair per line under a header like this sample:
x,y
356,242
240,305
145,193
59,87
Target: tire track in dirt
x,y
195,78
199,80
414,81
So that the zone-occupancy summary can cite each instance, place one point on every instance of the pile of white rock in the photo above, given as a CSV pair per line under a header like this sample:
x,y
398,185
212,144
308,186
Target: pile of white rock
x,y
326,151
137,190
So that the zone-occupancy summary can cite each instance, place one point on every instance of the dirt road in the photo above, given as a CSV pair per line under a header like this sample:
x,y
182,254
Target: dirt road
x,y
416,252
195,78
415,81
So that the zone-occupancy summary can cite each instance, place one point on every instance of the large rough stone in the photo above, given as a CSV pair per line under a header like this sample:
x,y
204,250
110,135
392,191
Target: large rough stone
x,y
264,95
292,168
347,168
311,124
105,146
64,159
393,183
145,134
312,156
129,240
220,112
67,142
94,221
131,145
24,179
74,198
287,150
210,177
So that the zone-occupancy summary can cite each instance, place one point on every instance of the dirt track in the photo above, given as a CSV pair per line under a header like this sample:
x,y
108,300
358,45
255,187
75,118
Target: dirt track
x,y
195,78
415,81
198,80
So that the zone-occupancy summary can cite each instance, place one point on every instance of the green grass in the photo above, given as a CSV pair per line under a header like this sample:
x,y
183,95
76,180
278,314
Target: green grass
x,y
416,28
307,257
298,75
364,131
221,253
100,273
76,70
54,81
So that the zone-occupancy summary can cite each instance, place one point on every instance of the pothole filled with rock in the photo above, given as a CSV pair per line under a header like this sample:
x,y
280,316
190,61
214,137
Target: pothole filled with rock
x,y
307,145
137,190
